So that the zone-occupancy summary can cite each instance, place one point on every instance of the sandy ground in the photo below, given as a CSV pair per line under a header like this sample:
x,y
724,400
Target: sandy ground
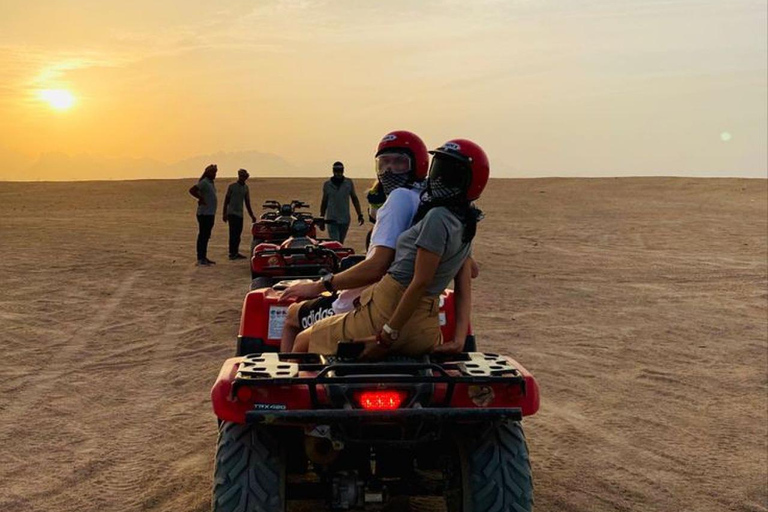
x,y
640,305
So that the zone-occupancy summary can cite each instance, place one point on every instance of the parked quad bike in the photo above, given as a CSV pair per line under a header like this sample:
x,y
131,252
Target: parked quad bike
x,y
300,255
308,426
274,225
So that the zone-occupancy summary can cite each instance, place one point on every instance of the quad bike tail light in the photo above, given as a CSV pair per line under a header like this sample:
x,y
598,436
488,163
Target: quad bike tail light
x,y
381,400
244,394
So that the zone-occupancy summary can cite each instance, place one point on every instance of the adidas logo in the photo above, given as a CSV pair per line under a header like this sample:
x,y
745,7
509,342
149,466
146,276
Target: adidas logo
x,y
315,316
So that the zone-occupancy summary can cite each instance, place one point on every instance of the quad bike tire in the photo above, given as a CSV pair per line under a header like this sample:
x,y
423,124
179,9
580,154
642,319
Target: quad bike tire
x,y
495,472
250,470
261,282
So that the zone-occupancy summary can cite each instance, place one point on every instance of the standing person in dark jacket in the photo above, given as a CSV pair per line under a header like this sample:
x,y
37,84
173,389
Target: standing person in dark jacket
x,y
205,193
237,194
335,204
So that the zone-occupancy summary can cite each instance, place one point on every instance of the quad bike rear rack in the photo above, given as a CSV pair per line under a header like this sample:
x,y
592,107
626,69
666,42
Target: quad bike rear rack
x,y
474,368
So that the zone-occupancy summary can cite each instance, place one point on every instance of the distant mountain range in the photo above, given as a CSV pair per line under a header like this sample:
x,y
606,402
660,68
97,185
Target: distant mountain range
x,y
62,167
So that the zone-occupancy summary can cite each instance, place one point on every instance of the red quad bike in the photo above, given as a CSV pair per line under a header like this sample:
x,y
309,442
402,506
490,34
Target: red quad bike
x,y
308,426
275,226
299,256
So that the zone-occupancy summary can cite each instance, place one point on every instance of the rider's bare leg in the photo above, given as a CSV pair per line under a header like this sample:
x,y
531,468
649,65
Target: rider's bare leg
x,y
291,328
302,342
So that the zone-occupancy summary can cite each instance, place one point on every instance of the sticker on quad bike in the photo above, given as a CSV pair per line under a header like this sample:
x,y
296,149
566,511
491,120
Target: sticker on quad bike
x,y
277,316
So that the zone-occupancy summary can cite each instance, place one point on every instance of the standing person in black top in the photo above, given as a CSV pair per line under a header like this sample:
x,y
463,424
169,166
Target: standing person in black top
x,y
237,194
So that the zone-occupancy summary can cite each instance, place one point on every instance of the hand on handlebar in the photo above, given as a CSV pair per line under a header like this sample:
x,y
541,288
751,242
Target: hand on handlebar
x,y
303,290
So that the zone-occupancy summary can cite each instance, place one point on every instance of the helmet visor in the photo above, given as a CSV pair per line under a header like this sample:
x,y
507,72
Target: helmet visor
x,y
395,163
450,172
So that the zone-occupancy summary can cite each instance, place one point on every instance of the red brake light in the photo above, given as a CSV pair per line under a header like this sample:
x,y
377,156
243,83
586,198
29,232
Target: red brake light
x,y
381,400
244,394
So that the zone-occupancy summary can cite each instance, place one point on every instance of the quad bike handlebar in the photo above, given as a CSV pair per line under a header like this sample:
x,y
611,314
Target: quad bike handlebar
x,y
272,204
307,250
277,205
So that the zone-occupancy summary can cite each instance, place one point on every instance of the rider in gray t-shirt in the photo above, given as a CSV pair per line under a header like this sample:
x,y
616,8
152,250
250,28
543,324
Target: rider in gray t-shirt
x,y
438,232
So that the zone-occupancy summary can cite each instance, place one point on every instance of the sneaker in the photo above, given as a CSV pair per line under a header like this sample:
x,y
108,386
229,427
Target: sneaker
x,y
203,263
239,256
209,262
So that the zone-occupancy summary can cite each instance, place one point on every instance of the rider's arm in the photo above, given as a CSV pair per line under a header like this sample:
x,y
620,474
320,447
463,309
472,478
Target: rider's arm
x,y
423,273
463,304
367,272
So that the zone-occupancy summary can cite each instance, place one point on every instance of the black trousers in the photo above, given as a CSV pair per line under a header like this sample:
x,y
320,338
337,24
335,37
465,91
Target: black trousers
x,y
235,231
205,223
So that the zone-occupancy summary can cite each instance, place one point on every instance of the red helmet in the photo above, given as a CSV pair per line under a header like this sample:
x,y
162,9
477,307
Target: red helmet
x,y
474,157
412,143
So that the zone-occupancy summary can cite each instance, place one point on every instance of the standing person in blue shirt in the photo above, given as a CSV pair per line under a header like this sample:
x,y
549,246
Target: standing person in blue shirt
x,y
335,204
232,213
205,193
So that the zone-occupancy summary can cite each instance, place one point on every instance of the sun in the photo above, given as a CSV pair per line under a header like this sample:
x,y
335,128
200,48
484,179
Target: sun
x,y
57,99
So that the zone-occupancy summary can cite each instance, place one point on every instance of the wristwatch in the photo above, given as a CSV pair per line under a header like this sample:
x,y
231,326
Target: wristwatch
x,y
393,333
327,281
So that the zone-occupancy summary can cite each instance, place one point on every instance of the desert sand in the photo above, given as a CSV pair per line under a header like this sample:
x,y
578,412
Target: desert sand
x,y
639,304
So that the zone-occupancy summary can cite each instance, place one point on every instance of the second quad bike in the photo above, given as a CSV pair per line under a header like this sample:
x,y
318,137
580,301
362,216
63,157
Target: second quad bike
x,y
300,255
274,225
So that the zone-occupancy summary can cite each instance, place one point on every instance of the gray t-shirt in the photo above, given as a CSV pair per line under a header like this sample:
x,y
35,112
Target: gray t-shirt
x,y
440,232
208,193
338,200
236,193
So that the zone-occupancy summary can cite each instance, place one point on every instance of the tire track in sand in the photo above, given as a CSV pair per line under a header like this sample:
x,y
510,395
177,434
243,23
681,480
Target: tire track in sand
x,y
46,375
138,478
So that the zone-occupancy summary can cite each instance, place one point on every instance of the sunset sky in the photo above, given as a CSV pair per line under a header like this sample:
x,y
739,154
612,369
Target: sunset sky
x,y
548,88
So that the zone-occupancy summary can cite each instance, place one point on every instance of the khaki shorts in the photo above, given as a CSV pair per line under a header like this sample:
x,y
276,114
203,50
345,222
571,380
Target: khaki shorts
x,y
376,305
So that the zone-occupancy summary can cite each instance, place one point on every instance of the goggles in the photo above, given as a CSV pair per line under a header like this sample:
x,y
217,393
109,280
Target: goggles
x,y
395,163
450,171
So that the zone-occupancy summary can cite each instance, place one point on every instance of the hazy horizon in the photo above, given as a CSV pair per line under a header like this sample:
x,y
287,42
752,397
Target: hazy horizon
x,y
285,87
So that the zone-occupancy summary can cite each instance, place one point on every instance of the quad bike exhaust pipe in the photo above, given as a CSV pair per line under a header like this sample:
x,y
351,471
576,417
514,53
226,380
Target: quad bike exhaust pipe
x,y
320,450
